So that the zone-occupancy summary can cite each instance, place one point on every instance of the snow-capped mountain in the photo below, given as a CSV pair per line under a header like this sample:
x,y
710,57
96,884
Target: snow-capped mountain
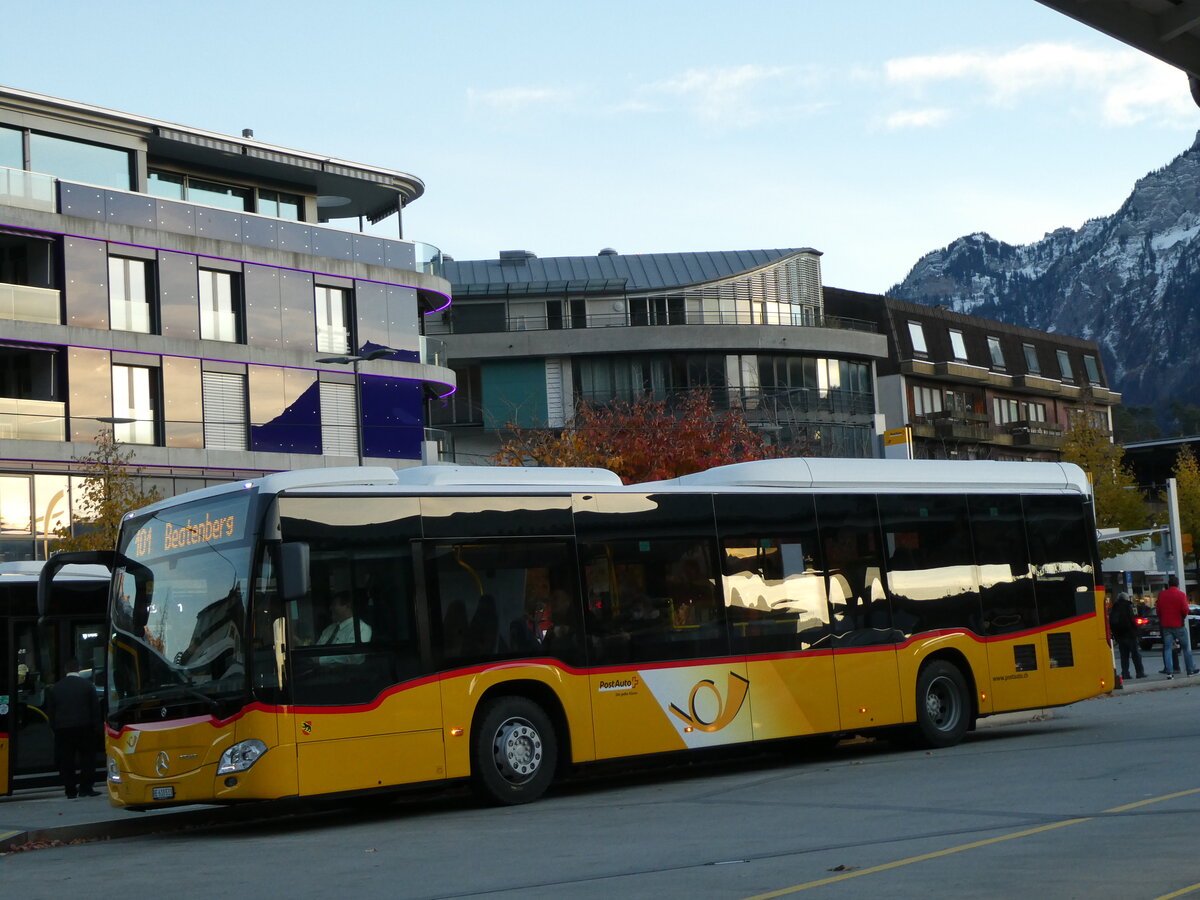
x,y
1129,281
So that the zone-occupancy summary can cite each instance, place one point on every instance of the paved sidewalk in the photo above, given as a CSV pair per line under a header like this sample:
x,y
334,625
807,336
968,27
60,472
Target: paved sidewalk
x,y
45,817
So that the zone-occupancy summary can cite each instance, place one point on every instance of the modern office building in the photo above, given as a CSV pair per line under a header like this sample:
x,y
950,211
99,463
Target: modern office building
x,y
529,337
190,291
972,388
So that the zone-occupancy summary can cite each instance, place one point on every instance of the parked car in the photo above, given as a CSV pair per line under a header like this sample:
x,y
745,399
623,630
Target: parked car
x,y
1149,632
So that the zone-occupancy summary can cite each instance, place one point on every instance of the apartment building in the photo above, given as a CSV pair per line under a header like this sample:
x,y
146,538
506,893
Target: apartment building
x,y
210,298
530,337
972,388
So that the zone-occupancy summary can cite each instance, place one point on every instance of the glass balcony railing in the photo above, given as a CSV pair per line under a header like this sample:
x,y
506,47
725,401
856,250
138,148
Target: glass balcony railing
x,y
722,315
28,190
32,420
429,258
433,352
440,444
22,303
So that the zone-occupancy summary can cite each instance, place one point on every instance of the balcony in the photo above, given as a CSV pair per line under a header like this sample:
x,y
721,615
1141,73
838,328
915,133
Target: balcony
x,y
962,372
32,420
1036,384
27,190
22,303
1038,435
918,367
433,352
708,316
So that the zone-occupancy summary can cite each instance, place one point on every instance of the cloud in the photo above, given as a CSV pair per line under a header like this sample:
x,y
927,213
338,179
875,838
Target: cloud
x,y
513,99
741,95
1127,86
916,118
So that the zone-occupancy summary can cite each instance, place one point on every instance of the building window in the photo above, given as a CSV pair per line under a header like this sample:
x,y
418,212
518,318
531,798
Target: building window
x,y
957,345
1064,365
133,398
996,351
1008,411
917,334
926,401
333,316
12,149
174,186
1093,369
129,294
339,420
279,205
220,306
79,161
1031,359
224,411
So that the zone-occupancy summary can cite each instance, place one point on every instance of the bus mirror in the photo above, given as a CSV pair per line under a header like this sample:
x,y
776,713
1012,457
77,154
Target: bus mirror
x,y
293,571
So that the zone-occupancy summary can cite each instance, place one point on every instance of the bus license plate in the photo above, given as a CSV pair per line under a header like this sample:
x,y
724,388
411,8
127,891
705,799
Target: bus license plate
x,y
164,793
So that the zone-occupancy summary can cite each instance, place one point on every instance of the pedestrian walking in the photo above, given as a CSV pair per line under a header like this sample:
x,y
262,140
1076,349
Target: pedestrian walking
x,y
1125,633
74,714
1173,609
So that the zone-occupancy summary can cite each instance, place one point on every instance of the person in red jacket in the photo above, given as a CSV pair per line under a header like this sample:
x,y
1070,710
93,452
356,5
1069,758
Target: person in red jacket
x,y
1172,606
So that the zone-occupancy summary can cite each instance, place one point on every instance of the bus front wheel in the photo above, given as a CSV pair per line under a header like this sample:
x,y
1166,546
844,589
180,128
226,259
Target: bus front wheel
x,y
943,705
514,751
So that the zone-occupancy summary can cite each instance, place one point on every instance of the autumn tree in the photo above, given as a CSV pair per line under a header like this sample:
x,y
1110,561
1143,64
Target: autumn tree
x,y
1119,502
109,490
1187,490
645,440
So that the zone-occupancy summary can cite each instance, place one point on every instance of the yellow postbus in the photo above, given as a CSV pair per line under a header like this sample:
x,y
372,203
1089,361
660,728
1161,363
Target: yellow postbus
x,y
327,632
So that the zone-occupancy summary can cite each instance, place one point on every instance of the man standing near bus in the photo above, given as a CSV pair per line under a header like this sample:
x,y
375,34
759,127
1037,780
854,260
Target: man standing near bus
x,y
1173,609
74,714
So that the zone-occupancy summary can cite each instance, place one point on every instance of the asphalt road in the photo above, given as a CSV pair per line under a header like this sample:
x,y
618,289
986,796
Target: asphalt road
x,y
1101,800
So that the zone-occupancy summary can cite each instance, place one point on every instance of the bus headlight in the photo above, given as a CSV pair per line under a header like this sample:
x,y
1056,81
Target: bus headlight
x,y
114,773
241,756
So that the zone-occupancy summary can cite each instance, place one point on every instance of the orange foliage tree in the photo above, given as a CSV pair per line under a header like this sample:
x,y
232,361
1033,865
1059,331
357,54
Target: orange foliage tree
x,y
646,440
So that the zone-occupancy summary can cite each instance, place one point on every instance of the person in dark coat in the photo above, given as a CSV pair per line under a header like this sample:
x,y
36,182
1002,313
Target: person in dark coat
x,y
1125,633
74,714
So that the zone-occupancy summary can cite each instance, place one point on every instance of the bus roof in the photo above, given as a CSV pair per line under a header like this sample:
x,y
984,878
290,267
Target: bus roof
x,y
903,475
819,474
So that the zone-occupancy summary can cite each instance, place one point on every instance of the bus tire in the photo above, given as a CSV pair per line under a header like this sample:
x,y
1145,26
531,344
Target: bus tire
x,y
514,751
943,705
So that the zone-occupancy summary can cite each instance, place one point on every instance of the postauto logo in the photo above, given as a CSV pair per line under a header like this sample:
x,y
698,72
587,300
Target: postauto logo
x,y
727,708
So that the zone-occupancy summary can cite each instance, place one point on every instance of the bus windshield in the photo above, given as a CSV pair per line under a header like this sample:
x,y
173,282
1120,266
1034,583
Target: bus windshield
x,y
179,609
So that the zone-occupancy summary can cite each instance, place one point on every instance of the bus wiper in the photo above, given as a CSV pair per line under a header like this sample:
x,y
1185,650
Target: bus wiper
x,y
176,691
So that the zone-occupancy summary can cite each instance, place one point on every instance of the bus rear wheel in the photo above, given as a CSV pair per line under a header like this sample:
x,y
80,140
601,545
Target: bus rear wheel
x,y
943,705
514,751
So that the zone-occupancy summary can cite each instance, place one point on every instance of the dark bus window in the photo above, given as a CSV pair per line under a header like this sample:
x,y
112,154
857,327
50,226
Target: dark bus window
x,y
495,517
858,604
355,634
1005,583
774,588
1060,552
503,600
930,566
650,590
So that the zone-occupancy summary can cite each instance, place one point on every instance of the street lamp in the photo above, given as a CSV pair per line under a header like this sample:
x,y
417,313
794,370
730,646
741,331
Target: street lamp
x,y
353,361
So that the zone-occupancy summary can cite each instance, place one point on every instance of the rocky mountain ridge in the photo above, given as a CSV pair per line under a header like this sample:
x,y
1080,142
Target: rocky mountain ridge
x,y
1129,281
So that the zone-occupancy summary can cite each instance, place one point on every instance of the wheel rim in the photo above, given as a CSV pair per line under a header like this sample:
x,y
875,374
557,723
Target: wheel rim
x,y
943,705
517,750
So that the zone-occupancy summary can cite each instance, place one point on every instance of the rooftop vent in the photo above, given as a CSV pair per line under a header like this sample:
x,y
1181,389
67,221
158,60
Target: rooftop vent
x,y
247,132
607,251
516,257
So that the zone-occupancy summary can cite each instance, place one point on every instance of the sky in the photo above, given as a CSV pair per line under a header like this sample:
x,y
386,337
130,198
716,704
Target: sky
x,y
874,131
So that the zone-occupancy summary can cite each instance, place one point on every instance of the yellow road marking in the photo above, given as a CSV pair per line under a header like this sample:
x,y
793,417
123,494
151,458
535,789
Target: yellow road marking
x,y
872,870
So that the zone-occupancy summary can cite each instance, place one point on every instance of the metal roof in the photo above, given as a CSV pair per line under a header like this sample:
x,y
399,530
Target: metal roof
x,y
521,272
